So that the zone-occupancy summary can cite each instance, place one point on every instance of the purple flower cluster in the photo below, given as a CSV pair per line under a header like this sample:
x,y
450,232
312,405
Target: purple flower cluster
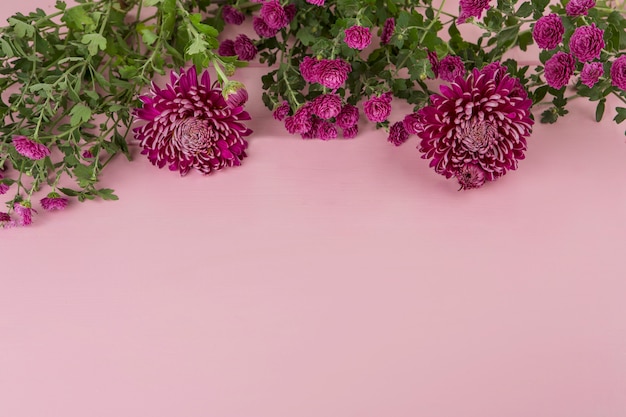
x,y
591,73
232,15
331,73
242,47
472,8
321,118
273,17
281,111
548,31
397,134
29,148
358,37
54,202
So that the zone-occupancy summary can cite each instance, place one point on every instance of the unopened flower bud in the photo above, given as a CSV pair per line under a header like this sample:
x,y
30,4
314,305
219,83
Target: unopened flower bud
x,y
235,94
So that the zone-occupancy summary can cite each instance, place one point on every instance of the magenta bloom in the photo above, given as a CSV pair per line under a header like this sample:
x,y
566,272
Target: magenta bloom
x,y
232,15
350,132
618,72
378,109
480,121
558,70
586,43
451,67
579,7
388,28
291,10
591,73
412,123
308,70
244,48
301,121
274,15
281,111
326,130
227,48
54,202
235,93
358,37
348,116
548,31
87,154
29,148
25,213
472,8
316,2
470,176
397,134
327,106
332,73
261,28
4,217
190,125
3,187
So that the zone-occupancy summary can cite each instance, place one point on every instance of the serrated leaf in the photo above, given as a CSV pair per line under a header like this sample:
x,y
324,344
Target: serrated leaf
x,y
94,42
79,114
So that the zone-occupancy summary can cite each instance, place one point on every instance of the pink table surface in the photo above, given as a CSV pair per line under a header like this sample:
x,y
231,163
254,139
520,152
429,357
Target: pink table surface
x,y
335,279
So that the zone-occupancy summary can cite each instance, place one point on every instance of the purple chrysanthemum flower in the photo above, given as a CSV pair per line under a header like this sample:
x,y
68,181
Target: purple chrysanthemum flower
x,y
4,217
591,73
235,94
261,28
291,10
332,73
548,31
281,111
29,148
471,8
244,48
348,116
54,202
350,132
579,7
618,72
434,63
301,121
378,109
451,67
232,15
87,154
470,176
412,123
326,106
227,48
3,187
313,132
586,43
358,37
190,125
326,130
308,70
397,134
558,69
388,28
274,14
316,2
25,213
477,121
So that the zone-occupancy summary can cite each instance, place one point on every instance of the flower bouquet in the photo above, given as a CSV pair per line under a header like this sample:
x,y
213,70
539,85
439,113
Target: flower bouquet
x,y
77,84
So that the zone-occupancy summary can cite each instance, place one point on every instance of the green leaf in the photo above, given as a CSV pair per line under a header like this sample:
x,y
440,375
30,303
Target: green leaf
x,y
621,115
600,110
106,194
79,114
22,29
94,42
6,48
77,18
525,10
197,46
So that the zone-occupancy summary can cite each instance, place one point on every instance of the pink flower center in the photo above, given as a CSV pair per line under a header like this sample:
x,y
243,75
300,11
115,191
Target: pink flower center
x,y
194,136
478,136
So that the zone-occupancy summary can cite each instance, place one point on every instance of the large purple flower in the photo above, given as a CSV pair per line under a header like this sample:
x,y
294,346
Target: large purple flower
x,y
472,8
190,125
476,128
548,31
579,7
558,70
591,73
332,73
378,108
274,14
586,43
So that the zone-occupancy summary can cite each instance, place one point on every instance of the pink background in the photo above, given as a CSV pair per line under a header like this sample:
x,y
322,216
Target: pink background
x,y
341,279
